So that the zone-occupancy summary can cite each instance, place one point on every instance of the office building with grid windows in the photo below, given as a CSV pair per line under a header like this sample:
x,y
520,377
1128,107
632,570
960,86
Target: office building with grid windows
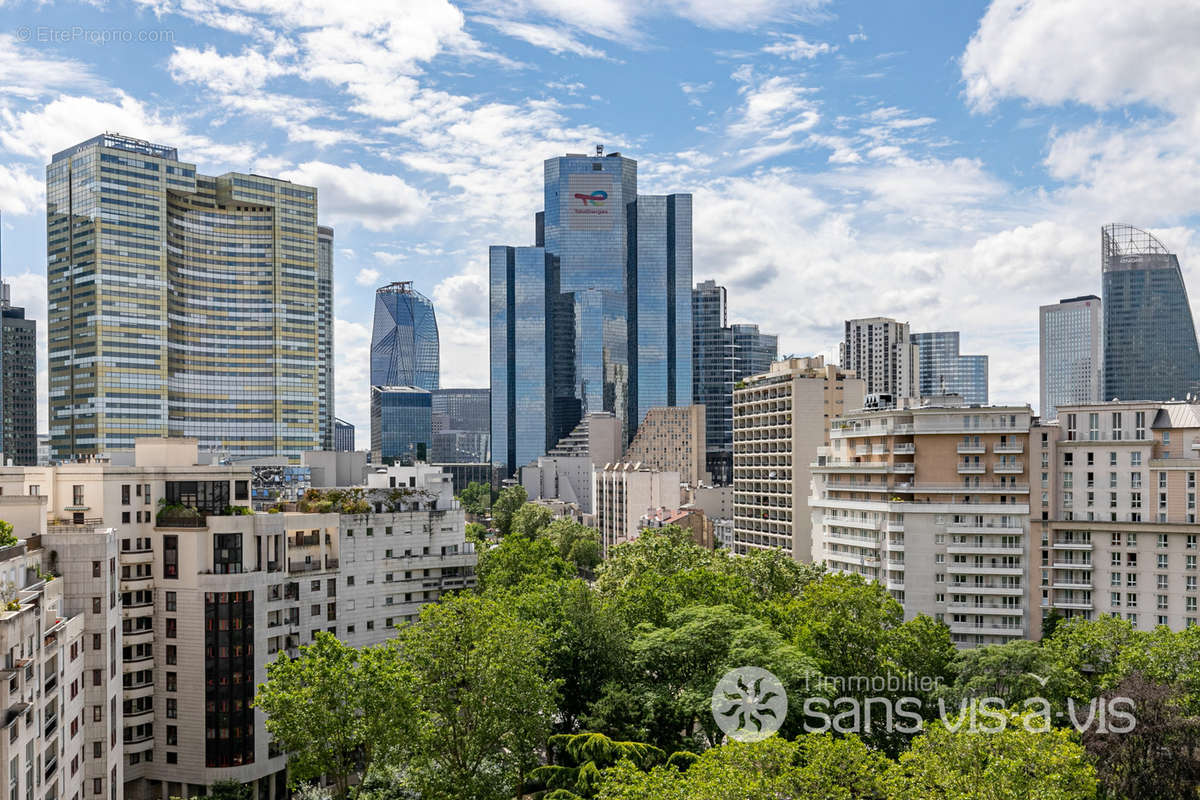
x,y
944,371
180,304
1070,353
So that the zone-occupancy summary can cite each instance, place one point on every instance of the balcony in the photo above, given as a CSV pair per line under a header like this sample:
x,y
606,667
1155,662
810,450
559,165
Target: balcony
x,y
904,449
1008,467
991,630
904,468
1082,605
963,547
986,608
1071,544
990,568
1009,447
1071,585
894,585
304,566
1082,565
966,468
971,588
971,448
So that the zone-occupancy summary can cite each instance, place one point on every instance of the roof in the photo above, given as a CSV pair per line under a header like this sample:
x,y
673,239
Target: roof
x,y
1177,415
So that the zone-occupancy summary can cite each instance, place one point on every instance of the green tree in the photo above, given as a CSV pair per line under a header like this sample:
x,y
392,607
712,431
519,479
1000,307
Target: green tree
x,y
814,766
517,559
507,504
1050,622
338,711
666,699
1013,672
582,756
530,520
7,537
577,544
772,574
485,701
1091,651
1010,764
476,498
228,790
476,534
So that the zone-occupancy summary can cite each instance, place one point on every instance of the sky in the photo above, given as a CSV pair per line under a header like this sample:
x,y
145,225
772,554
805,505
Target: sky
x,y
945,162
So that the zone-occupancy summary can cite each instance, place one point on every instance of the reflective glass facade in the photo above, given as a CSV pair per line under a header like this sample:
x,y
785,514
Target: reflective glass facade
x,y
179,304
1150,350
722,355
461,426
343,436
404,339
943,371
18,385
613,301
1070,354
401,424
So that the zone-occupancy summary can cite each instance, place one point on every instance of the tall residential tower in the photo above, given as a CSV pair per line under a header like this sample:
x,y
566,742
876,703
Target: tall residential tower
x,y
179,304
944,371
18,383
881,353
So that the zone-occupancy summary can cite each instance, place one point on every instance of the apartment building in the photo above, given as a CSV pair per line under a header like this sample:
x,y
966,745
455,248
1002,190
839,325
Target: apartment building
x,y
1119,501
933,502
43,753
672,438
882,353
186,595
625,492
780,419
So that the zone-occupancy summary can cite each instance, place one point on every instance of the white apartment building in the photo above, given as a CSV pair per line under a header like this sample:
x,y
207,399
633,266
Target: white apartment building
x,y
43,750
186,597
780,419
933,502
880,352
624,492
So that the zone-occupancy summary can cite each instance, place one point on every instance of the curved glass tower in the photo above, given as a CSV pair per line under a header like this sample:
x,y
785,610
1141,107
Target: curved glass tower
x,y
1150,350
404,341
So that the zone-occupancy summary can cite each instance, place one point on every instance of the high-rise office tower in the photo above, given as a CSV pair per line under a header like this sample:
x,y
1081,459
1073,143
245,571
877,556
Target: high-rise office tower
x,y
461,426
722,355
1150,350
596,316
401,424
179,304
943,370
880,351
343,435
325,334
1070,338
18,383
404,338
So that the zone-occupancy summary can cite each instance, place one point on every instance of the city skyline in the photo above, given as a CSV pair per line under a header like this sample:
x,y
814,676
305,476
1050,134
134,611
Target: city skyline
x,y
838,171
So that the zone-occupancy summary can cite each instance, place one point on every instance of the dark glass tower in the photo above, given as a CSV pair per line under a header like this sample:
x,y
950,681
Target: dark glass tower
x,y
943,370
1150,350
404,339
595,317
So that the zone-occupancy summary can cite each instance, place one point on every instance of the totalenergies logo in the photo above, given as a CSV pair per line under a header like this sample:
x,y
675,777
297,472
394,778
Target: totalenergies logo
x,y
594,199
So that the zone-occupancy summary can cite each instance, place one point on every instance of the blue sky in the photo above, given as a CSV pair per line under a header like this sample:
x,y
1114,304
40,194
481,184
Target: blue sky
x,y
947,163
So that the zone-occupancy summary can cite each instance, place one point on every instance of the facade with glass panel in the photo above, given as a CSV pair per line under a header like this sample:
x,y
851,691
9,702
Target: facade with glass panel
x,y
722,355
461,426
1070,353
944,371
1150,350
595,316
401,424
179,304
18,383
404,338
325,334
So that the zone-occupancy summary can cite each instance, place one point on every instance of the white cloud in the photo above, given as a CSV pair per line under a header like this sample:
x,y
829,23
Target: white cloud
x,y
545,37
1102,53
352,400
797,48
240,73
354,196
29,74
20,192
367,277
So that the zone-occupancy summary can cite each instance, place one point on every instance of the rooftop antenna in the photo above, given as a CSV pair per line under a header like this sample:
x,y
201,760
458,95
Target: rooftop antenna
x,y
599,151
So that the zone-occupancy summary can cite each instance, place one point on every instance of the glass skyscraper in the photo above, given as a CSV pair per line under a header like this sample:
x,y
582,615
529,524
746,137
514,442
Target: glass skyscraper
x,y
404,338
461,426
1150,350
18,383
722,355
596,316
942,370
179,304
401,424
1070,353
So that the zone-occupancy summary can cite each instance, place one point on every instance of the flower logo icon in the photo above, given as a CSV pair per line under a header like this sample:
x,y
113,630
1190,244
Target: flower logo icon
x,y
749,704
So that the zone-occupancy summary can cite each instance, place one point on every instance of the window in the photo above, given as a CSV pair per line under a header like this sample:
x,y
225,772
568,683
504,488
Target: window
x,y
171,556
172,708
171,601
172,681
171,627
172,654
125,493
96,569
77,494
97,605
1135,458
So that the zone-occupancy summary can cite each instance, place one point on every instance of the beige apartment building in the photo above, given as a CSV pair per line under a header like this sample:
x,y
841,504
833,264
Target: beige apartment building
x,y
933,502
186,595
624,493
1120,535
672,439
780,419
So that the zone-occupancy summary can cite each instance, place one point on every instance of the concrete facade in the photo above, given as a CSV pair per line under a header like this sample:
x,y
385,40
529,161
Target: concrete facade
x,y
672,439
